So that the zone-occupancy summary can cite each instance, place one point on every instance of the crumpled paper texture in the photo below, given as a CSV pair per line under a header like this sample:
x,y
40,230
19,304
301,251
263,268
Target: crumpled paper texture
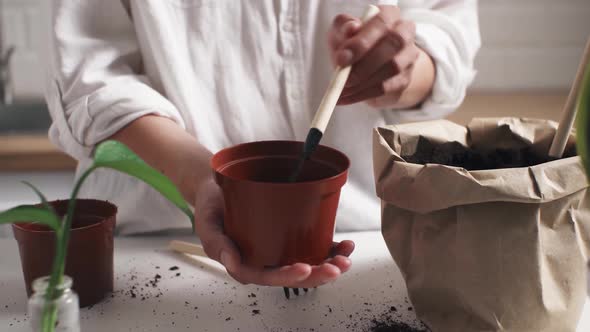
x,y
492,250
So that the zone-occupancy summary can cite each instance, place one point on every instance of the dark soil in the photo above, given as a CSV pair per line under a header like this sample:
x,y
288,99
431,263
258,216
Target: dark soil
x,y
383,317
392,322
473,158
387,326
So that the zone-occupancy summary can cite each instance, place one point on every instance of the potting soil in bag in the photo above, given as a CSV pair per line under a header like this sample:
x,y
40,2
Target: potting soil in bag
x,y
501,249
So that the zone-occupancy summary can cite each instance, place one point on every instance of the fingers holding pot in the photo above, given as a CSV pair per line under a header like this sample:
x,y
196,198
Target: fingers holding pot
x,y
331,269
286,275
298,275
209,212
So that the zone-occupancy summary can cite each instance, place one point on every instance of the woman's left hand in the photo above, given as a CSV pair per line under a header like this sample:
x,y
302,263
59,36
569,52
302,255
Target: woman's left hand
x,y
384,56
209,214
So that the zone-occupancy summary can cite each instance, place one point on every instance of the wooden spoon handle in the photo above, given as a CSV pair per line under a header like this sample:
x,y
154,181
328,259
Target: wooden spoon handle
x,y
324,111
568,114
187,248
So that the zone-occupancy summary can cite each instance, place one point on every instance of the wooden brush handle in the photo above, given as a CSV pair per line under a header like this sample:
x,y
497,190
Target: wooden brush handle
x,y
324,111
568,114
187,248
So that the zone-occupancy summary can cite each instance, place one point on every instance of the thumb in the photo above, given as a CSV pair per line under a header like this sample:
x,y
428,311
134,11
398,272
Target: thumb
x,y
209,227
222,249
216,244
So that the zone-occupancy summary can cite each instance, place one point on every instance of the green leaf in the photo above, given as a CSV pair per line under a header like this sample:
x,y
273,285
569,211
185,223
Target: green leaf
x,y
583,121
30,213
117,156
40,194
49,310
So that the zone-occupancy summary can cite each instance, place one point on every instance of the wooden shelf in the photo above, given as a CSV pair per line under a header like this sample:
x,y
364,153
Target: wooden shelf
x,y
32,153
37,153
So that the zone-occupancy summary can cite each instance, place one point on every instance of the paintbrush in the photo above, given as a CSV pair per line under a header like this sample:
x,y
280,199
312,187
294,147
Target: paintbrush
x,y
326,108
323,115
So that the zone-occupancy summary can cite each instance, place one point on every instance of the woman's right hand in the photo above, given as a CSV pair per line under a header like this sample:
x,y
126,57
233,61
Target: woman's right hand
x,y
209,210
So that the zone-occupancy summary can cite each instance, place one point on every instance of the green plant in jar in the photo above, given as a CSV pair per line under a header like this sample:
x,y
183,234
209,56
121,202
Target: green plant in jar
x,y
109,154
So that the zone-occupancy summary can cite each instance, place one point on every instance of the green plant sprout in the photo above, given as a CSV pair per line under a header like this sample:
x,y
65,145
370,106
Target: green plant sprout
x,y
583,121
109,154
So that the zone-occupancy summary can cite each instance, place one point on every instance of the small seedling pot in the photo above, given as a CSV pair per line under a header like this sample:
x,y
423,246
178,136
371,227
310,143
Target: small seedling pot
x,y
89,260
274,222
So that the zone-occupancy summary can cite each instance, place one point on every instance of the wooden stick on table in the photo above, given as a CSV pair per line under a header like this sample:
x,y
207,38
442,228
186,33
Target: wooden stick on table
x,y
187,248
568,114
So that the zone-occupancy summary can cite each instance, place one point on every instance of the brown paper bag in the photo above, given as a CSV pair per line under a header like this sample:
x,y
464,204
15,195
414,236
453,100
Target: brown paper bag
x,y
491,250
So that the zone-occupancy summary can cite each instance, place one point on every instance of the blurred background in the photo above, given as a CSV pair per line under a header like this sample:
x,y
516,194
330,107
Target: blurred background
x,y
531,49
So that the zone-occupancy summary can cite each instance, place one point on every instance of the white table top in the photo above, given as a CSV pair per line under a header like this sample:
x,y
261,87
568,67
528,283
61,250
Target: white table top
x,y
204,298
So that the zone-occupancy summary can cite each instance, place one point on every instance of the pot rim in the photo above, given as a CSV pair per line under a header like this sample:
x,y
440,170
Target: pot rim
x,y
77,229
338,176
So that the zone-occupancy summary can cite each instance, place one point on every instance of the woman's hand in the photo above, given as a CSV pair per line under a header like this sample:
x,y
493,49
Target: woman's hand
x,y
188,164
209,226
389,69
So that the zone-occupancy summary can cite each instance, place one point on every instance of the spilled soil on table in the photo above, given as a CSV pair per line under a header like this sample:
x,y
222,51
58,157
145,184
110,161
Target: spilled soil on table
x,y
381,315
388,323
394,319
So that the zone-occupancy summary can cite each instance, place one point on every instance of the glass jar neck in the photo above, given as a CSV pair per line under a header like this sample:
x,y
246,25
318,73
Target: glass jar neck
x,y
40,285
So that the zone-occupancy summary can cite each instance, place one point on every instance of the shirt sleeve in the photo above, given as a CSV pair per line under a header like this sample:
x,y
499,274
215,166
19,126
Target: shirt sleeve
x,y
448,30
94,84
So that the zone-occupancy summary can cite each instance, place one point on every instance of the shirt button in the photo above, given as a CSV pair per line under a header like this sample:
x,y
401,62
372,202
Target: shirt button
x,y
294,94
287,46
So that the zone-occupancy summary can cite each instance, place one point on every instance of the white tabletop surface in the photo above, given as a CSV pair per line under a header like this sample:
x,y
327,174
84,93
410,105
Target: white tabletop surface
x,y
204,298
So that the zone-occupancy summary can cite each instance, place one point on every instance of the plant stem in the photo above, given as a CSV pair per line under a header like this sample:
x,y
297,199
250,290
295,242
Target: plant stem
x,y
49,309
70,217
58,268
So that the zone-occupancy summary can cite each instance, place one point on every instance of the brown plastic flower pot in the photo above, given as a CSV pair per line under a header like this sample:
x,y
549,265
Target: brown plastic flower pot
x,y
273,222
89,260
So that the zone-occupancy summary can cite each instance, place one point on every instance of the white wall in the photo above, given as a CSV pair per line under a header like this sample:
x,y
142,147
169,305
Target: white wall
x,y
528,44
54,185
24,23
531,44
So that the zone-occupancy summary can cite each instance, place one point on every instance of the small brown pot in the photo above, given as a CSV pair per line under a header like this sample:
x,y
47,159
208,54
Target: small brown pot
x,y
272,222
89,260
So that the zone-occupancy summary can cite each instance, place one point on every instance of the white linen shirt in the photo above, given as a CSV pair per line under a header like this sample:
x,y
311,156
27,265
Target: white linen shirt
x,y
229,72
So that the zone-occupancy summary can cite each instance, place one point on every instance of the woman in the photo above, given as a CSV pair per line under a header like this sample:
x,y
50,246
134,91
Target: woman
x,y
176,80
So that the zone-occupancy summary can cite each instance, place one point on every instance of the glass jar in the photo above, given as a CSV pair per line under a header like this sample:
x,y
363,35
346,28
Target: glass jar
x,y
68,311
